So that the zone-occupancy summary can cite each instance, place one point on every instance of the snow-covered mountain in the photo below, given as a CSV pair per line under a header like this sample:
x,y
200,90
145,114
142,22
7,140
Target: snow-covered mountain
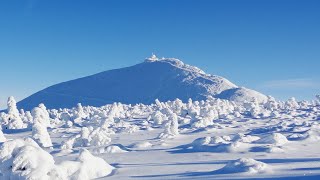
x,y
164,79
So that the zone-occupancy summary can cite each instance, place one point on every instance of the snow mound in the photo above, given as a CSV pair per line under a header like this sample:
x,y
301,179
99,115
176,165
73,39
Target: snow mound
x,y
114,149
246,165
242,95
218,144
86,167
275,149
232,147
141,145
201,141
245,138
275,139
92,167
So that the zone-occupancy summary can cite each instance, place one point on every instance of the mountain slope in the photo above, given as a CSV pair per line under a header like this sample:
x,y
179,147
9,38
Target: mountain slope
x,y
165,79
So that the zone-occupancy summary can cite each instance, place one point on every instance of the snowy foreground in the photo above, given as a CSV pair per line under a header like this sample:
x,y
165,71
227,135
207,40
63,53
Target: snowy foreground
x,y
212,139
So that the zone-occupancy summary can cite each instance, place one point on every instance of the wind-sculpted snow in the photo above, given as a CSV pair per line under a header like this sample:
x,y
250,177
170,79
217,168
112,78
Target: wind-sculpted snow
x,y
245,165
164,79
207,139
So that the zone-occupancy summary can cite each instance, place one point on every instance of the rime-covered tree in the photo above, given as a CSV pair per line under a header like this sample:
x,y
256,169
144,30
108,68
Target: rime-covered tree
x,y
171,127
14,119
39,129
40,116
291,104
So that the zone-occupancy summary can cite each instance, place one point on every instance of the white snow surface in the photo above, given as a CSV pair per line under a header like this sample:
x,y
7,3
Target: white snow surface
x,y
208,139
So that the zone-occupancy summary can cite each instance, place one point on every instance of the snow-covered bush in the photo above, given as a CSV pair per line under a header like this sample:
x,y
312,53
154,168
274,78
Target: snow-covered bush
x,y
291,104
13,117
88,137
171,127
27,118
157,118
123,126
79,115
40,135
271,104
99,137
202,122
40,116
24,159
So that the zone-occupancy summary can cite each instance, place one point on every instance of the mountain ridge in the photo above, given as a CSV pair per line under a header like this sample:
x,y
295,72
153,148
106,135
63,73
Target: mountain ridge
x,y
164,79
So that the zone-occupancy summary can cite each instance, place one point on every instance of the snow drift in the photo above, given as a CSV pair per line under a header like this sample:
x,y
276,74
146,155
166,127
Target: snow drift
x,y
246,165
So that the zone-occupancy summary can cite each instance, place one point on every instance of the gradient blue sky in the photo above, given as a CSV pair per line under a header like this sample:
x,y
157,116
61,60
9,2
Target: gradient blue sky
x,y
269,45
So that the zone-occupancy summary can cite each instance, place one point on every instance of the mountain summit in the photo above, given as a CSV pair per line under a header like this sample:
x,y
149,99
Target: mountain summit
x,y
163,79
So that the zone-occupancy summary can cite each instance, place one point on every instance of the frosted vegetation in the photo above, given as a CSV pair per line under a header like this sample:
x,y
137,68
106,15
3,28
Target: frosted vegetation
x,y
212,138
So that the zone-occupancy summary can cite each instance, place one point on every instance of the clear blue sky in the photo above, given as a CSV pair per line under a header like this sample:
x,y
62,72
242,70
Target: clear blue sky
x,y
269,45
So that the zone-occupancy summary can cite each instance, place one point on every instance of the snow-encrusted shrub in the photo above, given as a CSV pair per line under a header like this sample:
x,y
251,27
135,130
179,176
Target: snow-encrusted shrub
x,y
79,115
157,117
158,104
177,106
106,123
88,137
40,135
123,126
202,122
3,118
24,159
171,127
27,118
115,110
99,137
68,124
271,104
80,112
65,116
291,104
207,116
13,117
40,116
255,110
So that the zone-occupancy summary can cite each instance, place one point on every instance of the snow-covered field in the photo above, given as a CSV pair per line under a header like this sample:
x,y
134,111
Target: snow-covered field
x,y
212,139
